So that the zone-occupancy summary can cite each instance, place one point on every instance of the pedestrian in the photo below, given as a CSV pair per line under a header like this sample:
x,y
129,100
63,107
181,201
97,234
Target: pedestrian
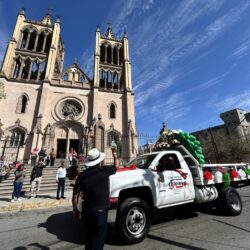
x,y
74,157
60,179
18,183
47,161
33,156
36,178
42,154
52,157
93,183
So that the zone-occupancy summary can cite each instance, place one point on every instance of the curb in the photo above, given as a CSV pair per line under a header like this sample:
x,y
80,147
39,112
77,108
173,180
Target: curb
x,y
31,204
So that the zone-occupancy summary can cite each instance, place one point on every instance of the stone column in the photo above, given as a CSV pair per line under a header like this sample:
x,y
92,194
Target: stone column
x,y
39,71
105,59
118,56
112,80
14,69
20,41
30,69
37,36
21,69
44,42
105,79
28,40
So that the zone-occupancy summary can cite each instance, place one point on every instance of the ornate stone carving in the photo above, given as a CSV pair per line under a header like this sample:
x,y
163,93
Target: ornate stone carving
x,y
71,109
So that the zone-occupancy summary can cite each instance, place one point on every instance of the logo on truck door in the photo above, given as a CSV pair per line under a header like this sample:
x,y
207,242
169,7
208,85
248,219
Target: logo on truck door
x,y
176,183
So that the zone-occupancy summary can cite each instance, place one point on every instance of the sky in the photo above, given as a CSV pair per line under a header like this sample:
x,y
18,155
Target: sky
x,y
190,58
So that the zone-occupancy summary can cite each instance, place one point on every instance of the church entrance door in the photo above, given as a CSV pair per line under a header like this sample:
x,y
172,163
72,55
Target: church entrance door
x,y
74,143
61,148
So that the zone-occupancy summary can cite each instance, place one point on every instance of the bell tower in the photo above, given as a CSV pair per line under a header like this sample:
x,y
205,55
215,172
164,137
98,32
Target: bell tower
x,y
33,51
112,85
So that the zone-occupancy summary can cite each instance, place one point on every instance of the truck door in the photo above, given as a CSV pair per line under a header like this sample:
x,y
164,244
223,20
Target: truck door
x,y
169,182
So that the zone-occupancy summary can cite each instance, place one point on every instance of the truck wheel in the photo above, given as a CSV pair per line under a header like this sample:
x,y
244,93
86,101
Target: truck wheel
x,y
229,202
133,220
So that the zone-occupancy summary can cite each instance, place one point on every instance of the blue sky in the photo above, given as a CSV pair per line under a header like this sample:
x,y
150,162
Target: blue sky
x,y
190,59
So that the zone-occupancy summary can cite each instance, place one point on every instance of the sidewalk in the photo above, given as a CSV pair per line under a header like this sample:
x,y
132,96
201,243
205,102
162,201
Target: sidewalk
x,y
43,201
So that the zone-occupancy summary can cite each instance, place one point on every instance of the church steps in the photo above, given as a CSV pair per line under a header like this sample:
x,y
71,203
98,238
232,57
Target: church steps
x,y
48,182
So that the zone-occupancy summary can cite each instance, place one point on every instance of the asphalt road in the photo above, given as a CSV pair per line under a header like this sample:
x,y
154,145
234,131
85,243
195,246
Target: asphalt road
x,y
173,229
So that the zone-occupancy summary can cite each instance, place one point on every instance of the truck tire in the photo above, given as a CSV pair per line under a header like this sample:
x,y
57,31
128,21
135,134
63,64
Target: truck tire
x,y
133,220
229,202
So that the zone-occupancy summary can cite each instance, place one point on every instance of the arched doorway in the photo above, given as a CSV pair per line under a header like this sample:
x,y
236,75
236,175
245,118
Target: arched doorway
x,y
66,135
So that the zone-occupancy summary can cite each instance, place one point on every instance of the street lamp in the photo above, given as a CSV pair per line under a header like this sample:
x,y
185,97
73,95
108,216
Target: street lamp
x,y
88,129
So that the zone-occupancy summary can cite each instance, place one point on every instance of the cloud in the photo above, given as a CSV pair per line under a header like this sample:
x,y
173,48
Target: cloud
x,y
231,102
242,50
213,81
88,62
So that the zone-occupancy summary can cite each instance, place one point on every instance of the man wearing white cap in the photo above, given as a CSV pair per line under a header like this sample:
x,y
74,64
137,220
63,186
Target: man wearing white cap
x,y
94,185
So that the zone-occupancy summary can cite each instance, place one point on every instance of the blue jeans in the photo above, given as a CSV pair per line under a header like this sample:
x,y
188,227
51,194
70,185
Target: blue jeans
x,y
95,223
17,189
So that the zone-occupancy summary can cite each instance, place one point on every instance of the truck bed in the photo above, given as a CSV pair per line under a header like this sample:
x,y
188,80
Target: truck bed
x,y
199,170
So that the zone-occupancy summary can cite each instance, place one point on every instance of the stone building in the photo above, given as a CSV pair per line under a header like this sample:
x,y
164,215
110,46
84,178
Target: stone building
x,y
49,106
228,141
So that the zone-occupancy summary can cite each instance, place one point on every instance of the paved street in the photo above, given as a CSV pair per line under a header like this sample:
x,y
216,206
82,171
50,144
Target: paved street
x,y
172,229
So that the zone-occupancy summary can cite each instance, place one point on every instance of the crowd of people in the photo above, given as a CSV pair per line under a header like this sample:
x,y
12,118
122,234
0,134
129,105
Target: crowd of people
x,y
39,160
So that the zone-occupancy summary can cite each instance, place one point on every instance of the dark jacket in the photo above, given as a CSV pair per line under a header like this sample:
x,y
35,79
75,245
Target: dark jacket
x,y
37,171
94,185
42,154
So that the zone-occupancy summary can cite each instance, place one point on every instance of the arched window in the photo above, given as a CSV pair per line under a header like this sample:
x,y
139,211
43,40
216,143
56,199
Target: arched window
x,y
102,57
109,80
112,136
26,68
115,55
32,40
40,42
17,137
48,43
115,80
24,40
22,104
102,78
112,114
34,71
17,68
42,72
121,56
109,51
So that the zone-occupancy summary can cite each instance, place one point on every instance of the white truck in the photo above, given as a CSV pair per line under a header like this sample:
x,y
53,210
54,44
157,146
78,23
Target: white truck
x,y
144,185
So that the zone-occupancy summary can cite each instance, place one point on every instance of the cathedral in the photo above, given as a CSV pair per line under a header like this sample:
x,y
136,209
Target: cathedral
x,y
49,106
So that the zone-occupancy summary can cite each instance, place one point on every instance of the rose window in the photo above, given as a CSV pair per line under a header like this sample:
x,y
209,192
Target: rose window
x,y
71,109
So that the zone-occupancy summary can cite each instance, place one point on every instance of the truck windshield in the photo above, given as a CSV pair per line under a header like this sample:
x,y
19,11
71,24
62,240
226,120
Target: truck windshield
x,y
143,161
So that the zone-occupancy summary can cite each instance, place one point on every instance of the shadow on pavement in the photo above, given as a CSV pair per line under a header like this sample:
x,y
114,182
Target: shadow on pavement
x,y
174,243
5,199
65,227
181,212
37,245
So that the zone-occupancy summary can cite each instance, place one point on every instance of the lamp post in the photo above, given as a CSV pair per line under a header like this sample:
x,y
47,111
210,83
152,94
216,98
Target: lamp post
x,y
88,129
38,128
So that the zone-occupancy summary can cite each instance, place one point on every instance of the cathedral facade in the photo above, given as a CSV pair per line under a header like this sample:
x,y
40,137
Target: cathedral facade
x,y
49,106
